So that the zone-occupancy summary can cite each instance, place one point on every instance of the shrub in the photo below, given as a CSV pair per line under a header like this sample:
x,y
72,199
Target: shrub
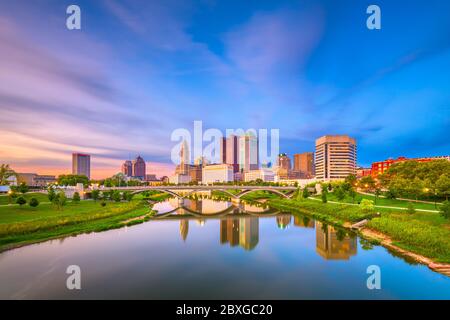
x,y
76,197
103,203
21,201
305,193
445,209
340,194
51,194
410,209
324,196
95,194
60,200
34,202
23,188
366,205
116,196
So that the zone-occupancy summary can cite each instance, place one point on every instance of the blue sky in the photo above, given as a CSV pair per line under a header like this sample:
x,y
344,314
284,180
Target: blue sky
x,y
137,70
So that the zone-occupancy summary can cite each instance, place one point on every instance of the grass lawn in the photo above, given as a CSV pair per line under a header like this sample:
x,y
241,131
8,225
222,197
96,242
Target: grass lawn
x,y
4,199
384,201
24,225
425,233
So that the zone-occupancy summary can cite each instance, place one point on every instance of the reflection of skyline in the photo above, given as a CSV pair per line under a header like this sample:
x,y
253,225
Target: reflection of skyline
x,y
283,221
184,229
334,244
242,231
304,222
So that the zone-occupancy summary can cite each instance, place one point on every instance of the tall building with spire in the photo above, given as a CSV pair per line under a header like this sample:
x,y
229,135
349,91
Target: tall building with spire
x,y
183,167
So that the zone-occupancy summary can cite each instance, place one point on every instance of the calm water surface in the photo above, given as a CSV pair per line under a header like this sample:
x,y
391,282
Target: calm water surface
x,y
221,251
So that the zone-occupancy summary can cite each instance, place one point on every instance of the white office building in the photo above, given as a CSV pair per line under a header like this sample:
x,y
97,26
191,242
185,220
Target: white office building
x,y
217,173
263,174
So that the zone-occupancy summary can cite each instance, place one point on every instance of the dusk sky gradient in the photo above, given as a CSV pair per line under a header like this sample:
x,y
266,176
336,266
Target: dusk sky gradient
x,y
137,70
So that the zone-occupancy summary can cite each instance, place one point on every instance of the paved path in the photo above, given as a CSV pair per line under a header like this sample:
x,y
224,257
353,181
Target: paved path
x,y
376,206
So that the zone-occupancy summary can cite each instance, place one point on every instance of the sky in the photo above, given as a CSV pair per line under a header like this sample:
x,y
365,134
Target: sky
x,y
138,70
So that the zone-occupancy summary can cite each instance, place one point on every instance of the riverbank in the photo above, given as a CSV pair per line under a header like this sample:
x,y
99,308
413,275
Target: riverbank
x,y
423,236
21,226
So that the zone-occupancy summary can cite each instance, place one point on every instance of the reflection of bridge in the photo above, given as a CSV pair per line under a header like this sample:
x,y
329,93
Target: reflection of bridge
x,y
230,212
285,192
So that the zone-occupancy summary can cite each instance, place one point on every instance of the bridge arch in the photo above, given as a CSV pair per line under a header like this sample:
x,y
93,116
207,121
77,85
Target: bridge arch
x,y
243,193
176,195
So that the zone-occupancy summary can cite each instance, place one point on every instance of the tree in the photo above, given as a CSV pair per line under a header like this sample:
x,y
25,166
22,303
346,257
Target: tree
x,y
34,202
367,183
130,196
5,173
116,196
11,196
410,209
72,180
76,197
305,193
351,179
390,194
340,194
324,196
367,205
443,185
377,194
60,200
352,193
95,194
23,188
444,210
21,201
51,194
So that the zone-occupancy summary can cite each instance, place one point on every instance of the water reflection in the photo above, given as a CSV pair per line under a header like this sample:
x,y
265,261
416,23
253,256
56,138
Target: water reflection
x,y
334,244
243,232
238,228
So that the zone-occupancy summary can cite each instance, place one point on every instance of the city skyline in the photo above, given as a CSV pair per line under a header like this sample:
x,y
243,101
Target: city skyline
x,y
112,96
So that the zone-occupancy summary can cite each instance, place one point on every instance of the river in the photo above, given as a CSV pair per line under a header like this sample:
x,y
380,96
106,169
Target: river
x,y
215,250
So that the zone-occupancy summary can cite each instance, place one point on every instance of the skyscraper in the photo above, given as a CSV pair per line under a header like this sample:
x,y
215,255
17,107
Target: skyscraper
x,y
229,151
248,152
127,168
139,169
81,164
283,165
183,167
304,164
335,157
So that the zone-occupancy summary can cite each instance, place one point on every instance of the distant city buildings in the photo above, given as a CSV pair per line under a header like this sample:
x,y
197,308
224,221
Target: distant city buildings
x,y
127,168
335,157
135,169
304,164
248,152
217,173
263,174
35,180
231,156
283,168
139,168
81,164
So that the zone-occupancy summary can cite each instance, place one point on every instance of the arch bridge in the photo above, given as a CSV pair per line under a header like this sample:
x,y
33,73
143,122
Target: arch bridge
x,y
182,192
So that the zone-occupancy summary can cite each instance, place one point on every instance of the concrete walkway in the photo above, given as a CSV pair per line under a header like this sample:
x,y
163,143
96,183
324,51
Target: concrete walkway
x,y
376,206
